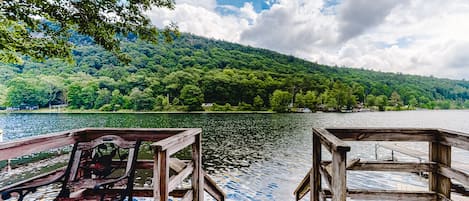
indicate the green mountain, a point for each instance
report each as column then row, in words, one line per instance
column 193, row 70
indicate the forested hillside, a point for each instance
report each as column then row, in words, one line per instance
column 194, row 70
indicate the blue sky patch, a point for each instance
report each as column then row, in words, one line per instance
column 405, row 41
column 402, row 42
column 329, row 7
column 331, row 3
column 258, row 5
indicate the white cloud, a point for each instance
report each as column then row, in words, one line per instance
column 207, row 4
column 427, row 37
column 292, row 27
column 248, row 12
column 201, row 19
column 356, row 16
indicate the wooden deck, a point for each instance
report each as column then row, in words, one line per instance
column 168, row 172
column 439, row 164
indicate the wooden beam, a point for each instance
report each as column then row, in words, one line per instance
column 392, row 195
column 36, row 180
column 177, row 165
column 177, row 179
column 174, row 164
column 389, row 166
column 179, row 193
column 339, row 185
column 24, row 146
column 143, row 134
column 387, row 195
column 326, row 171
column 188, row 196
column 143, row 191
column 330, row 141
column 174, row 140
column 454, row 174
column 443, row 198
column 323, row 196
column 197, row 174
column 454, row 138
column 384, row 134
column 161, row 176
column 16, row 148
column 315, row 176
column 213, row 189
column 181, row 144
column 327, row 175
column 304, row 187
column 440, row 154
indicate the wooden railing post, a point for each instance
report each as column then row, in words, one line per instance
column 197, row 174
column 339, row 187
column 315, row 176
column 161, row 176
column 441, row 154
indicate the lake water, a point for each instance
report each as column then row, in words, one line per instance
column 261, row 156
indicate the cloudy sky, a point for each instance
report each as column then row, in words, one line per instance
column 425, row 37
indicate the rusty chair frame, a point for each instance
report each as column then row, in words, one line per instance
column 164, row 142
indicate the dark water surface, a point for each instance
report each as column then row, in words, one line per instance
column 260, row 156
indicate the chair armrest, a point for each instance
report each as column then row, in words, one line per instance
column 24, row 190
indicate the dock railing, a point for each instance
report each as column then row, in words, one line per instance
column 335, row 172
column 164, row 143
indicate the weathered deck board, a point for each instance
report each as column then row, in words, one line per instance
column 330, row 141
column 454, row 138
column 384, row 134
column 21, row 147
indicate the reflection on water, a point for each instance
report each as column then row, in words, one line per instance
column 260, row 156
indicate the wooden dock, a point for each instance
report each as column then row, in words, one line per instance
column 168, row 171
column 438, row 164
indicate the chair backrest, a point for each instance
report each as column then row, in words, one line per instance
column 99, row 158
column 95, row 157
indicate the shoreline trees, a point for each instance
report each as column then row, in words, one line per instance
column 226, row 76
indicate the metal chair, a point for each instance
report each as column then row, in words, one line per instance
column 95, row 171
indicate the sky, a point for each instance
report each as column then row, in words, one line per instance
column 423, row 37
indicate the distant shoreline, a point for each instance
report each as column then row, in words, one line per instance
column 42, row 111
column 47, row 111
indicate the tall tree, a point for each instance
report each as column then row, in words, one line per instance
column 370, row 100
column 280, row 100
column 117, row 100
column 258, row 103
column 395, row 100
column 42, row 29
column 381, row 102
column 310, row 99
column 142, row 100
column 54, row 87
column 192, row 97
column 74, row 96
column 24, row 91
column 104, row 97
